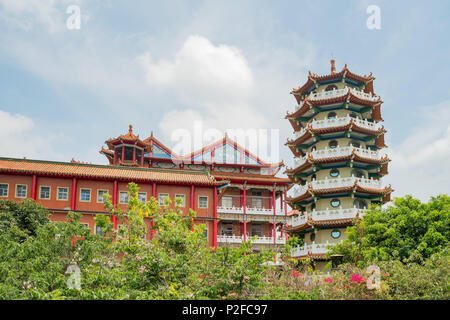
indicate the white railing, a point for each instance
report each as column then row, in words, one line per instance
column 297, row 220
column 342, row 92
column 342, row 121
column 336, row 214
column 299, row 133
column 314, row 248
column 240, row 210
column 299, row 190
column 299, row 161
column 343, row 151
column 363, row 95
column 333, row 122
column 370, row 183
column 258, row 240
column 328, row 94
column 327, row 214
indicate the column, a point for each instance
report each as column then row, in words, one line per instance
column 285, row 207
column 115, row 156
column 115, row 193
column 192, row 204
column 215, row 219
column 123, row 153
column 34, row 187
column 74, row 194
column 274, row 232
column 244, row 192
column 152, row 233
column 142, row 157
column 134, row 153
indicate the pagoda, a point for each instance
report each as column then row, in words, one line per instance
column 338, row 163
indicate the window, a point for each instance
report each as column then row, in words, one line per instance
column 353, row 115
column 85, row 195
column 4, row 189
column 333, row 144
column 313, row 207
column 227, row 202
column 331, row 115
column 256, row 230
column 312, row 237
column 142, row 196
column 124, row 197
column 335, row 234
column 360, row 204
column 313, row 177
column 99, row 231
column 313, row 148
column 354, row 144
column 182, row 197
column 100, row 194
column 44, row 193
column 85, row 225
column 21, row 190
column 335, row 203
column 205, row 233
column 162, row 198
column 331, row 87
column 128, row 154
column 358, row 174
column 227, row 229
column 63, row 193
column 203, row 202
column 257, row 201
column 334, row 173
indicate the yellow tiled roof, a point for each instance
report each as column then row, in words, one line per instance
column 52, row 168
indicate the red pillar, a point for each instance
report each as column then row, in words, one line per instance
column 245, row 212
column 274, row 232
column 115, row 193
column 34, row 187
column 215, row 219
column 134, row 154
column 192, row 204
column 142, row 158
column 281, row 210
column 152, row 233
column 74, row 194
column 115, row 156
column 285, row 207
column 123, row 153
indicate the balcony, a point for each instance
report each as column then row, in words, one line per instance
column 342, row 92
column 256, row 205
column 336, row 183
column 338, row 152
column 240, row 239
column 313, row 248
column 328, row 214
column 343, row 121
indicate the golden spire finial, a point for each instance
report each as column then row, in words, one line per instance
column 130, row 130
column 333, row 67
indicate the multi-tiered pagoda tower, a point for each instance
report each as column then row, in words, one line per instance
column 338, row 160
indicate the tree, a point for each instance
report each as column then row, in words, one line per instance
column 27, row 216
column 408, row 231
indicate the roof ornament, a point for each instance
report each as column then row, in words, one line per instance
column 130, row 130
column 333, row 67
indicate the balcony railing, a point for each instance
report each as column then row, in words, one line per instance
column 342, row 121
column 250, row 210
column 314, row 248
column 337, row 152
column 342, row 92
column 346, row 182
column 240, row 239
column 327, row 214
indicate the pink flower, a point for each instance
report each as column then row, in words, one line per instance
column 356, row 278
column 329, row 280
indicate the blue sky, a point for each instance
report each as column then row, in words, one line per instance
column 231, row 64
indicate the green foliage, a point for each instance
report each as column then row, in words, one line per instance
column 27, row 216
column 408, row 231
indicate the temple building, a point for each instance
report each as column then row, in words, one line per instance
column 234, row 193
column 338, row 163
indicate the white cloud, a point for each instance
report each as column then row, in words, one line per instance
column 20, row 138
column 27, row 14
column 420, row 165
column 202, row 73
